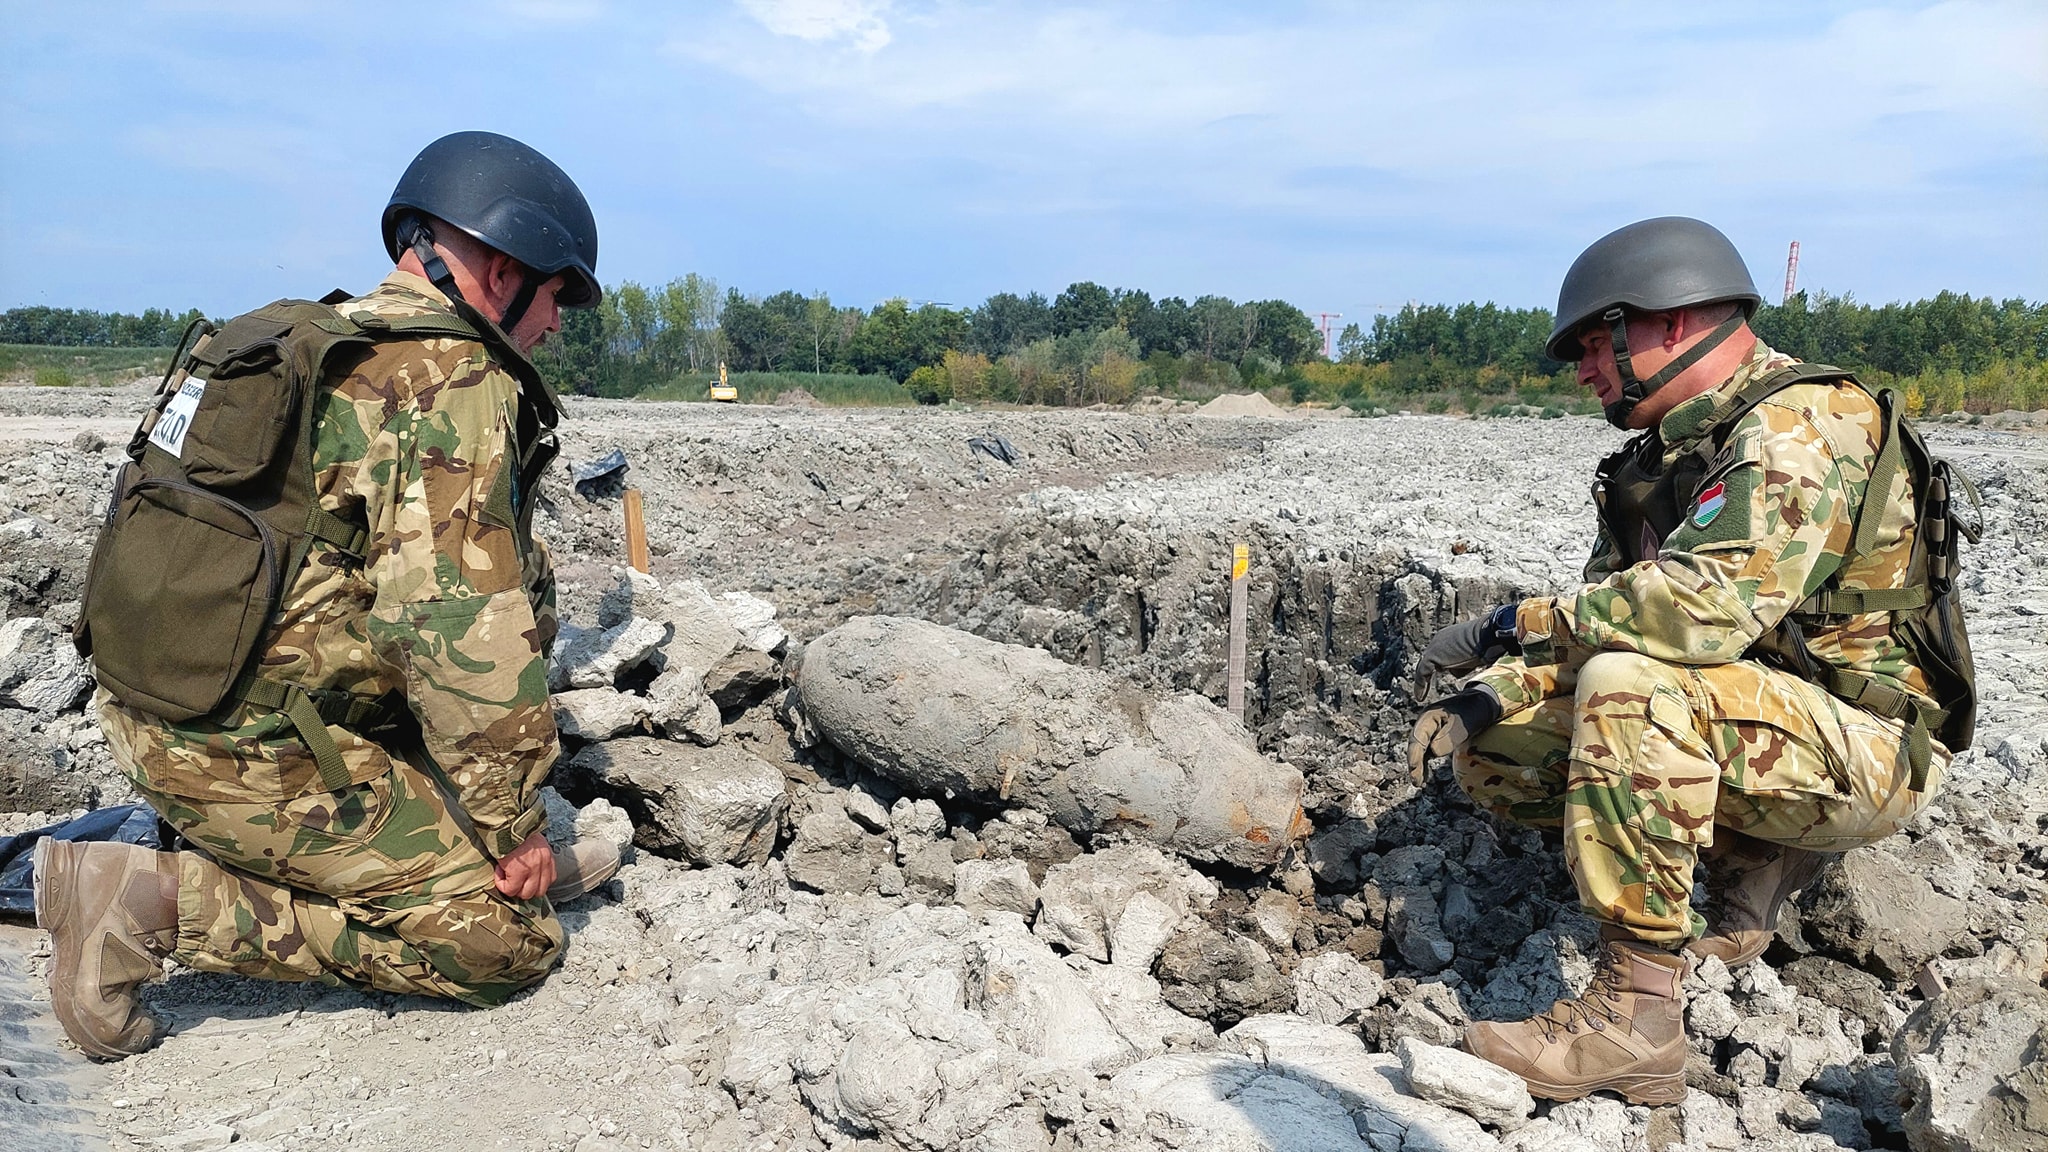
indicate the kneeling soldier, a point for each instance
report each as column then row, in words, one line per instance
column 320, row 621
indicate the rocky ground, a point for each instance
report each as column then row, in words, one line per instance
column 832, row 934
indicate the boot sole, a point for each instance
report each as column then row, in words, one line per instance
column 1649, row 1090
column 38, row 866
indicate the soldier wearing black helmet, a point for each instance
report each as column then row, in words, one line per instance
column 1764, row 666
column 361, row 782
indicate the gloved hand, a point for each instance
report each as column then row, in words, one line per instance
column 1449, row 722
column 1468, row 644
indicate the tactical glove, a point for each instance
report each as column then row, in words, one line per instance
column 1448, row 723
column 1469, row 644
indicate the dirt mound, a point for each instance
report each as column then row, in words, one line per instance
column 797, row 398
column 1244, row 404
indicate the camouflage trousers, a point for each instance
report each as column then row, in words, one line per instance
column 379, row 885
column 1638, row 761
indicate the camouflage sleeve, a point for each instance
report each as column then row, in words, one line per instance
column 1522, row 684
column 452, row 612
column 1770, row 523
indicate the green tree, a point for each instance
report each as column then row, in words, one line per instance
column 929, row 384
column 1006, row 322
column 1286, row 333
column 1352, row 346
column 1168, row 326
column 885, row 342
column 638, row 318
column 1216, row 327
column 764, row 335
column 1083, row 307
column 821, row 326
column 689, row 314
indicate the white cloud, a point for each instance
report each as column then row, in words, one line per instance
column 857, row 21
column 1496, row 135
column 1430, row 92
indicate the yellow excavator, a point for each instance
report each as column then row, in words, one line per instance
column 723, row 391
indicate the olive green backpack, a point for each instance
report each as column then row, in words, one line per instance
column 216, row 511
column 1926, row 613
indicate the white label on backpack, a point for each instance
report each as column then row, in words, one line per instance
column 171, row 427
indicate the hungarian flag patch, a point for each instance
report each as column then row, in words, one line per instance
column 1712, row 500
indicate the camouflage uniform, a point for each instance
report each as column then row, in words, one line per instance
column 1633, row 721
column 388, row 882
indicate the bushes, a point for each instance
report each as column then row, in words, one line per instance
column 832, row 389
column 55, row 366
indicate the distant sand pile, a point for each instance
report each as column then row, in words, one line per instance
column 1244, row 404
column 797, row 398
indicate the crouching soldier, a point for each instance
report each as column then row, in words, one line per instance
column 1765, row 665
column 320, row 622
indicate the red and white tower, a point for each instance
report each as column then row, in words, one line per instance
column 1328, row 352
column 1791, row 272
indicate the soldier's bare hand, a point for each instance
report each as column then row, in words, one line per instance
column 1449, row 723
column 526, row 872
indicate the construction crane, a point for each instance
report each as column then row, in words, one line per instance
column 1324, row 327
column 1791, row 272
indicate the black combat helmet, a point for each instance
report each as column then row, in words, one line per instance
column 510, row 197
column 1651, row 266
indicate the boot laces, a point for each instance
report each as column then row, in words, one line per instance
column 1599, row 1007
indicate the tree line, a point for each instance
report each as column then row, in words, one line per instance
column 1088, row 344
column 86, row 328
column 1091, row 344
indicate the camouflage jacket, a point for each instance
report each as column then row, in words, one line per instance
column 1791, row 476
column 453, row 611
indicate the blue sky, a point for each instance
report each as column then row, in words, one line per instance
column 1345, row 157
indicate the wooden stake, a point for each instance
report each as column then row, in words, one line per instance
column 1240, row 563
column 636, row 533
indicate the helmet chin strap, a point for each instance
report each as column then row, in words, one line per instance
column 1634, row 391
column 414, row 234
column 529, row 284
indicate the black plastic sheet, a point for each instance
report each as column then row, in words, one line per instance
column 602, row 478
column 994, row 447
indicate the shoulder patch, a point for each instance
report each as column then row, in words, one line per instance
column 1711, row 500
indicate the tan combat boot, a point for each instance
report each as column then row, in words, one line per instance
column 1748, row 882
column 112, row 914
column 1626, row 1034
column 580, row 867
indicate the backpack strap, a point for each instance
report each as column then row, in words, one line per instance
column 422, row 324
column 1920, row 717
column 338, row 531
column 311, row 710
column 1857, row 601
column 1771, row 383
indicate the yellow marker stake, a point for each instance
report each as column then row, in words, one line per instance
column 1240, row 563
